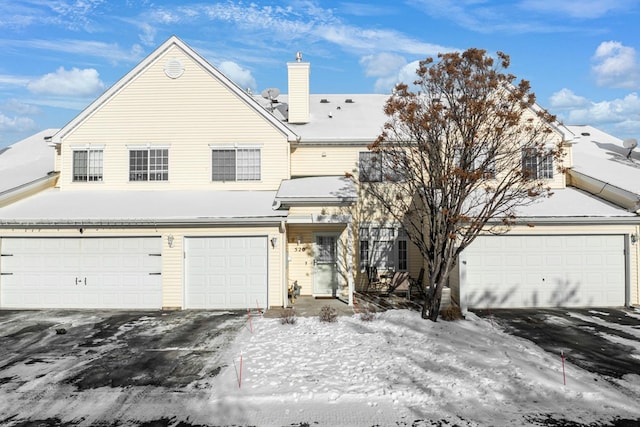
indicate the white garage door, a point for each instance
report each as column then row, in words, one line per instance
column 86, row 272
column 226, row 272
column 543, row 271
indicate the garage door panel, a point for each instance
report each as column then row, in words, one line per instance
column 552, row 271
column 235, row 272
column 81, row 273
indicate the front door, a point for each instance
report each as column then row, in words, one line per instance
column 325, row 267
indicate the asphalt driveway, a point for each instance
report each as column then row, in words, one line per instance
column 601, row 340
column 51, row 356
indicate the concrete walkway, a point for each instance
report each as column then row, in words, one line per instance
column 308, row 306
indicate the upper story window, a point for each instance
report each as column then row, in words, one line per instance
column 536, row 165
column 379, row 167
column 235, row 164
column 481, row 161
column 87, row 164
column 149, row 164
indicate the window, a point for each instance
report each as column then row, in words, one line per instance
column 481, row 161
column 384, row 248
column 378, row 167
column 235, row 164
column 536, row 166
column 149, row 164
column 87, row 165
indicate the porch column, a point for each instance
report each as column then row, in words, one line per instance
column 350, row 281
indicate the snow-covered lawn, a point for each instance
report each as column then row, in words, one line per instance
column 396, row 370
column 401, row 370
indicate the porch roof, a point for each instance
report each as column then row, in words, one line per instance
column 316, row 190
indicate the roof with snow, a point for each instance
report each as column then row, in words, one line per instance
column 340, row 118
column 53, row 206
column 26, row 161
column 317, row 189
column 603, row 157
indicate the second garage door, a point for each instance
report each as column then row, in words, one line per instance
column 543, row 271
column 226, row 272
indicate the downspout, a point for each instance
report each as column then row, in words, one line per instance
column 283, row 264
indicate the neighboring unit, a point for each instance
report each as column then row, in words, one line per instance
column 176, row 189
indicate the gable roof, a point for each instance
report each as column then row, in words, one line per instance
column 148, row 61
column 26, row 163
column 602, row 159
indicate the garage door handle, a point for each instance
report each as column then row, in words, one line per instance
column 155, row 274
column 6, row 274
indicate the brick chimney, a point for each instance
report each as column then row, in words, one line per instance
column 298, row 73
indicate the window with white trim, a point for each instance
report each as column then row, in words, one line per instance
column 87, row 165
column 149, row 164
column 235, row 164
column 379, row 167
column 535, row 165
column 482, row 161
column 383, row 247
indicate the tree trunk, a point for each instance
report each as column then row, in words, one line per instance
column 431, row 306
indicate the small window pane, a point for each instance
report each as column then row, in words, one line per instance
column 80, row 160
column 87, row 165
column 248, row 164
column 159, row 165
column 370, row 169
column 138, row 165
column 223, row 165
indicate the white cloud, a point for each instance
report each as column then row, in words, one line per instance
column 74, row 82
column 376, row 40
column 616, row 66
column 382, row 64
column 583, row 9
column 19, row 107
column 110, row 51
column 565, row 98
column 16, row 124
column 620, row 117
column 390, row 69
column 241, row 76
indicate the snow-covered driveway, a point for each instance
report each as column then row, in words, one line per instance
column 217, row 369
column 605, row 341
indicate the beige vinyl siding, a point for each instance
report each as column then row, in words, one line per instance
column 173, row 258
column 188, row 114
column 300, row 257
column 324, row 160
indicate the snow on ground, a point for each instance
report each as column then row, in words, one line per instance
column 401, row 370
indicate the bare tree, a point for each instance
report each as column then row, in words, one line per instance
column 465, row 150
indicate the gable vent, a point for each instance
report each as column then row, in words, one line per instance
column 173, row 68
column 324, row 101
column 348, row 101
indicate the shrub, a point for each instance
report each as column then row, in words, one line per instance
column 368, row 314
column 451, row 313
column 288, row 316
column 328, row 314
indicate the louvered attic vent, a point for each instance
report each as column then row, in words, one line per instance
column 348, row 101
column 324, row 101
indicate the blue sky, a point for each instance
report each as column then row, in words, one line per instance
column 581, row 56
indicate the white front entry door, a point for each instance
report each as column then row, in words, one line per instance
column 81, row 272
column 513, row 271
column 325, row 264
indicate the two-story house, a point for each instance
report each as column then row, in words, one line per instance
column 178, row 189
